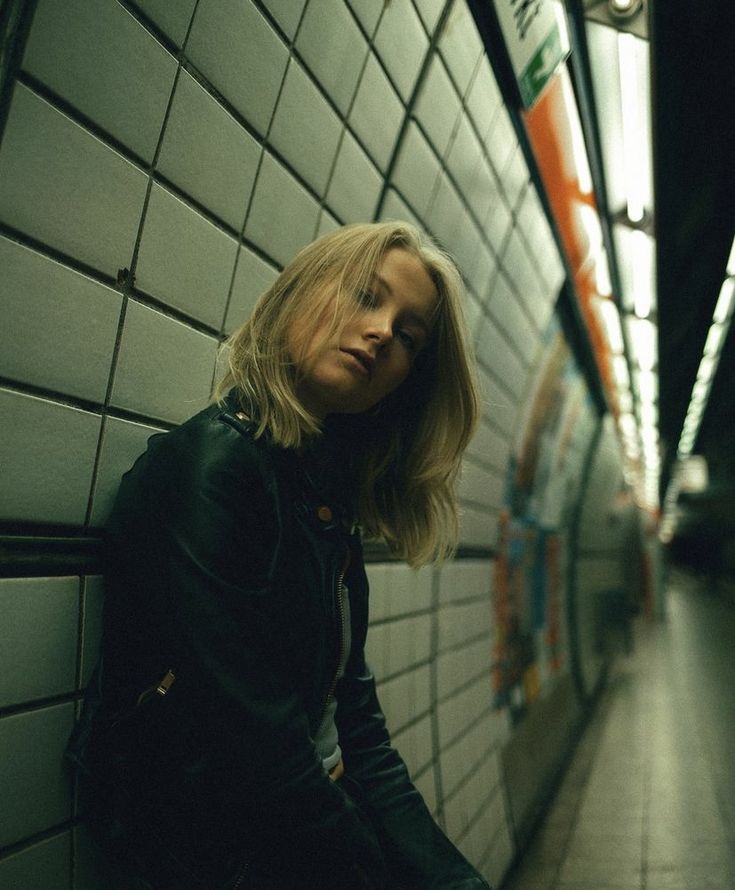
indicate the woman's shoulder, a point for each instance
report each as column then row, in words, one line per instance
column 214, row 453
column 220, row 432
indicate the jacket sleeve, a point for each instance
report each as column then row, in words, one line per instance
column 419, row 853
column 235, row 724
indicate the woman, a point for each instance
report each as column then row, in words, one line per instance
column 233, row 737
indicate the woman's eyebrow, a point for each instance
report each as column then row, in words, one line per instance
column 408, row 314
column 383, row 283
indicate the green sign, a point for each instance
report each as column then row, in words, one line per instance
column 532, row 35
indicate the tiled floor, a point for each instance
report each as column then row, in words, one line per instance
column 648, row 802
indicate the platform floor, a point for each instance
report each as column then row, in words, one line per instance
column 648, row 802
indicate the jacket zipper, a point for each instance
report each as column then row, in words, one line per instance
column 342, row 641
column 241, row 876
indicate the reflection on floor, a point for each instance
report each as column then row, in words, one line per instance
column 649, row 799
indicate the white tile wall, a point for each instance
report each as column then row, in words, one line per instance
column 405, row 698
column 490, row 447
column 515, row 319
column 465, row 579
column 368, row 13
column 40, row 625
column 500, row 854
column 479, row 528
column 253, row 277
column 278, row 196
column 333, row 47
column 501, row 140
column 47, row 456
column 149, row 378
column 437, row 106
column 377, row 113
column 514, row 176
column 356, row 184
column 233, row 45
column 394, row 207
column 504, row 360
column 63, row 186
column 287, row 13
column 34, row 787
column 463, row 160
column 426, row 784
column 172, row 18
column 446, row 211
column 92, row 63
column 415, row 744
column 489, row 204
column 122, row 442
column 482, row 272
column 460, row 46
column 457, row 714
column 63, row 324
column 429, row 10
column 462, row 623
column 185, row 260
column 43, row 866
column 208, row 154
column 483, row 98
column 481, row 487
column 306, row 129
column 417, row 170
column 401, row 44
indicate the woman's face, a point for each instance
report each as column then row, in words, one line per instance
column 375, row 349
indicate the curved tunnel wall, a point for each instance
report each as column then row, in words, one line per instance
column 158, row 165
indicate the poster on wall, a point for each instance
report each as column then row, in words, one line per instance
column 541, row 489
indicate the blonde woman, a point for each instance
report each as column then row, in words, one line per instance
column 232, row 737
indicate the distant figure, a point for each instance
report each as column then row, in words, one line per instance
column 232, row 737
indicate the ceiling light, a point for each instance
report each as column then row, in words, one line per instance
column 714, row 338
column 731, row 260
column 642, row 272
column 724, row 301
column 625, row 400
column 647, row 386
column 611, row 320
column 643, row 336
column 706, row 370
column 602, row 274
column 647, row 411
column 620, row 370
column 633, row 129
column 579, row 149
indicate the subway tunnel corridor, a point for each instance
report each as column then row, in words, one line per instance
column 648, row 799
column 160, row 165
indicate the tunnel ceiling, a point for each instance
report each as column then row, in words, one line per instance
column 693, row 94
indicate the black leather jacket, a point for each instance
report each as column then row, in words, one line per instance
column 223, row 566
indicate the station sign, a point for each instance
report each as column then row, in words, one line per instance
column 534, row 43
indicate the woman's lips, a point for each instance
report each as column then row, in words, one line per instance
column 362, row 359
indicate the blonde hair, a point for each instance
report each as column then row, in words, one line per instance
column 405, row 459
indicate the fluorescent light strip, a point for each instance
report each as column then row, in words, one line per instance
column 579, row 150
column 641, row 260
column 632, row 137
column 724, row 301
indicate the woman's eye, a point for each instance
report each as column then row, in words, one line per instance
column 408, row 340
column 364, row 298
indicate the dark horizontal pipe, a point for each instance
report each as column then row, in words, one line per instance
column 23, row 556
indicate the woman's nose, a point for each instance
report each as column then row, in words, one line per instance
column 379, row 327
